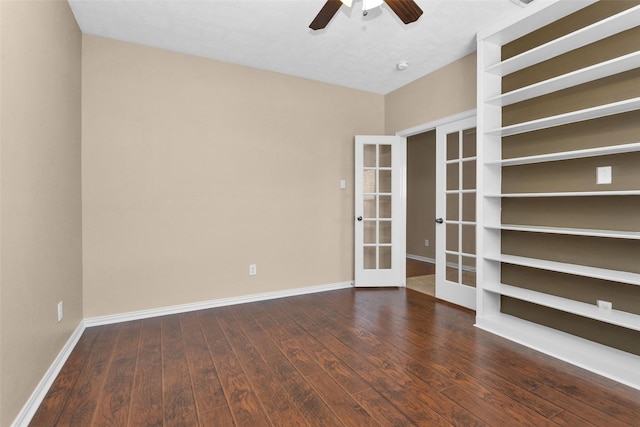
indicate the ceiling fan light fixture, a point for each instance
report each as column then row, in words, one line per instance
column 407, row 10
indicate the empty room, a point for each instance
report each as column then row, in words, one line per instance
column 312, row 212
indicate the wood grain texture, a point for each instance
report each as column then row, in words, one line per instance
column 146, row 398
column 113, row 405
column 51, row 408
column 350, row 357
column 80, row 406
column 325, row 15
column 407, row 10
column 419, row 268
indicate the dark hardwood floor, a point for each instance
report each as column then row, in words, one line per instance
column 389, row 357
column 419, row 268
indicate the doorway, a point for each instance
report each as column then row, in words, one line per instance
column 452, row 247
column 421, row 209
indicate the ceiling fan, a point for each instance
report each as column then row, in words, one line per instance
column 407, row 10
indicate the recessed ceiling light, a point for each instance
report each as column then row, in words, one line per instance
column 402, row 65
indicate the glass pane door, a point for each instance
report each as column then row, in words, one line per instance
column 377, row 199
column 460, row 216
column 379, row 248
column 456, row 207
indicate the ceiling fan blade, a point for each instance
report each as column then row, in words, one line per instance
column 407, row 10
column 326, row 13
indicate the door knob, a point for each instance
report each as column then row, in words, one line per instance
column 439, row 220
column 359, row 218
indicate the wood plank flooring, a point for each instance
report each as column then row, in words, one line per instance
column 365, row 357
column 419, row 268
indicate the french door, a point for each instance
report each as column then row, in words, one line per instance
column 380, row 207
column 456, row 212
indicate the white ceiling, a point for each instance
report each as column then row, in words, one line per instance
column 353, row 51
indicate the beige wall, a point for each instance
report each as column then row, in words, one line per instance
column 447, row 91
column 40, row 240
column 421, row 194
column 193, row 169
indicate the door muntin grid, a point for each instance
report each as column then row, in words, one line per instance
column 460, row 221
column 377, row 207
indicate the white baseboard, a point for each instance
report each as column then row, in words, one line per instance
column 29, row 409
column 183, row 308
column 421, row 258
column 433, row 261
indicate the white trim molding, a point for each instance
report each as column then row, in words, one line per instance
column 203, row 305
column 421, row 258
column 425, row 127
column 433, row 261
column 31, row 406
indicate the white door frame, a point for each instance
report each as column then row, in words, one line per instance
column 435, row 123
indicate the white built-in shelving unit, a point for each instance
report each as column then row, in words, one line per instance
column 616, row 364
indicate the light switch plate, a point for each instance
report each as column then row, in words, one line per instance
column 603, row 174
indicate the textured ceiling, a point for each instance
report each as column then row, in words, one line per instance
column 353, row 51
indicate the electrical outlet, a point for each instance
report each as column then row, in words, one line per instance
column 426, row 243
column 60, row 312
column 252, row 270
column 605, row 305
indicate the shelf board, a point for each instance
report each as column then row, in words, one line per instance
column 591, row 311
column 569, row 194
column 574, row 78
column 464, row 191
column 567, row 118
column 569, row 155
column 600, row 30
column 614, row 234
column 575, row 269
column 462, row 159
